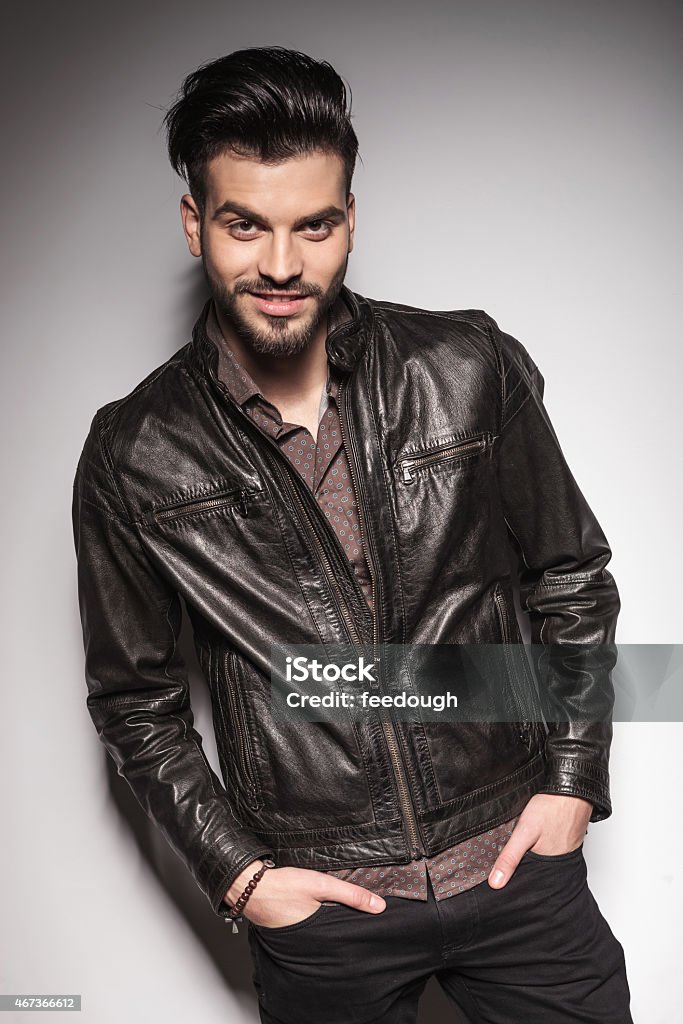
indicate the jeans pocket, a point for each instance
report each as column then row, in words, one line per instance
column 552, row 857
column 318, row 912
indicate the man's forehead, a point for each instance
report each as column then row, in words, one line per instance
column 312, row 180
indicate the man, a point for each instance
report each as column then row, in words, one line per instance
column 318, row 468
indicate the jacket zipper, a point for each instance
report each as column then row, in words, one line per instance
column 347, row 614
column 451, row 451
column 237, row 498
column 243, row 749
column 500, row 608
column 388, row 727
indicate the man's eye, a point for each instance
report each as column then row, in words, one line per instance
column 242, row 226
column 319, row 227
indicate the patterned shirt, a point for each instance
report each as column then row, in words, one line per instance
column 323, row 465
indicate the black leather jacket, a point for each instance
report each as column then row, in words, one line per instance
column 456, row 465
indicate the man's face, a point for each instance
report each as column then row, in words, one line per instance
column 274, row 241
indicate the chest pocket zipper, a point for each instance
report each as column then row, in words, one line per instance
column 241, row 737
column 443, row 453
column 238, row 498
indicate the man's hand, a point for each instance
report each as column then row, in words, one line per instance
column 287, row 895
column 550, row 824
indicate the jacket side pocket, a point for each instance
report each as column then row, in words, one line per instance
column 521, row 698
column 228, row 690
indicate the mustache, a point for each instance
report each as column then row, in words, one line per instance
column 299, row 291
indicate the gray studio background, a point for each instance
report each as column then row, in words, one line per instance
column 521, row 157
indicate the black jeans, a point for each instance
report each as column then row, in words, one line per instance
column 537, row 951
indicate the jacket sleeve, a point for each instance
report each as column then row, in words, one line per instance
column 571, row 598
column 138, row 693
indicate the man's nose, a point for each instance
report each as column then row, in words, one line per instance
column 280, row 259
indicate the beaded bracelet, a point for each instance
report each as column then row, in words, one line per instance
column 235, row 913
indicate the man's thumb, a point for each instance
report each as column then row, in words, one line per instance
column 506, row 864
column 362, row 899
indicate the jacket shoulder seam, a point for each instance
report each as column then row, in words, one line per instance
column 505, row 395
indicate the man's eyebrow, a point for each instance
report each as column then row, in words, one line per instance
column 326, row 213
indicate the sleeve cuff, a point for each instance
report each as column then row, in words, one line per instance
column 571, row 776
column 224, row 877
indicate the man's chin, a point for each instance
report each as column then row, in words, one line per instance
column 277, row 335
column 278, row 341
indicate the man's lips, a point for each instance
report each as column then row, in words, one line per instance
column 279, row 303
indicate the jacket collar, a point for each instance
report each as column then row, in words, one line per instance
column 349, row 322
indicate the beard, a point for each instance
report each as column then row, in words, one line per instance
column 278, row 336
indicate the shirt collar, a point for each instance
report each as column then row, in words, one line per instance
column 236, row 378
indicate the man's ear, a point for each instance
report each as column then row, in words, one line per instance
column 351, row 214
column 189, row 213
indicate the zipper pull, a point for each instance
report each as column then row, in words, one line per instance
column 242, row 507
column 408, row 471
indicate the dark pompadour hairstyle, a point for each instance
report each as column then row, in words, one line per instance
column 265, row 102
